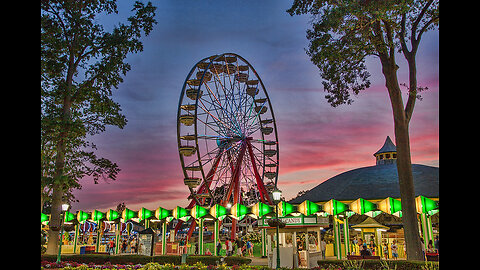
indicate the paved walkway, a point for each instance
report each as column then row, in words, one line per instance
column 258, row 261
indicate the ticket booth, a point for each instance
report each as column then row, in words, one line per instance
column 299, row 241
column 371, row 230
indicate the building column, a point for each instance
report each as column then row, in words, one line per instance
column 427, row 230
column 200, row 236
column 118, row 233
column 75, row 238
column 99, row 235
column 336, row 235
column 430, row 229
column 164, row 237
column 264, row 242
column 346, row 235
column 215, row 237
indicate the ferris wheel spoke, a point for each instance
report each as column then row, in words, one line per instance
column 229, row 102
column 218, row 121
column 224, row 109
column 221, row 107
column 211, row 127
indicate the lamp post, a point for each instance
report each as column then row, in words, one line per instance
column 65, row 207
column 277, row 194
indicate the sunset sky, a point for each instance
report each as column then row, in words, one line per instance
column 316, row 141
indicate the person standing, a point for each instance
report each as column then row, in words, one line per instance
column 225, row 247
column 364, row 251
column 230, row 248
column 394, row 249
column 372, row 247
column 124, row 245
column 323, row 246
column 238, row 244
column 110, row 246
column 385, row 250
column 133, row 246
column 250, row 248
column 218, row 247
column 437, row 243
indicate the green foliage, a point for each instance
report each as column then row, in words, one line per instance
column 431, row 266
column 80, row 65
column 376, row 264
column 142, row 259
column 344, row 33
column 253, row 237
column 386, row 265
column 355, row 264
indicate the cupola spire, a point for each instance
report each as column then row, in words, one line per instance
column 387, row 154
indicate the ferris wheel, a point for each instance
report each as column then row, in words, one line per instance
column 227, row 134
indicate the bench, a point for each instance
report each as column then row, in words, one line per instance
column 360, row 257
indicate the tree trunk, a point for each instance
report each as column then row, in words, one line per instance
column 407, row 193
column 404, row 163
column 55, row 220
column 57, row 194
column 57, row 188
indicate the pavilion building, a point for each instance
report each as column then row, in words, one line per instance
column 375, row 183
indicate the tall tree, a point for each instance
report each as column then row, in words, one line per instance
column 80, row 65
column 343, row 34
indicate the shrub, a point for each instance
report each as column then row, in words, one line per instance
column 142, row 259
column 377, row 264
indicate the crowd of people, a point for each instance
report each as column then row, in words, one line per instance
column 371, row 248
column 127, row 245
column 239, row 247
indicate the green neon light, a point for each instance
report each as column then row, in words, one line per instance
column 82, row 216
column 395, row 205
column 145, row 213
column 428, row 204
column 128, row 214
column 218, row 211
column 112, row 215
column 179, row 212
column 362, row 206
column 334, row 207
column 260, row 209
column 162, row 213
column 44, row 217
column 97, row 215
column 308, row 208
column 239, row 210
column 69, row 217
column 198, row 211
column 285, row 208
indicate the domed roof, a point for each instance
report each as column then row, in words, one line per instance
column 374, row 182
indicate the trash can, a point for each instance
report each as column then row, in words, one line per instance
column 82, row 250
column 184, row 258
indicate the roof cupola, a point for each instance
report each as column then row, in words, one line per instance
column 387, row 154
